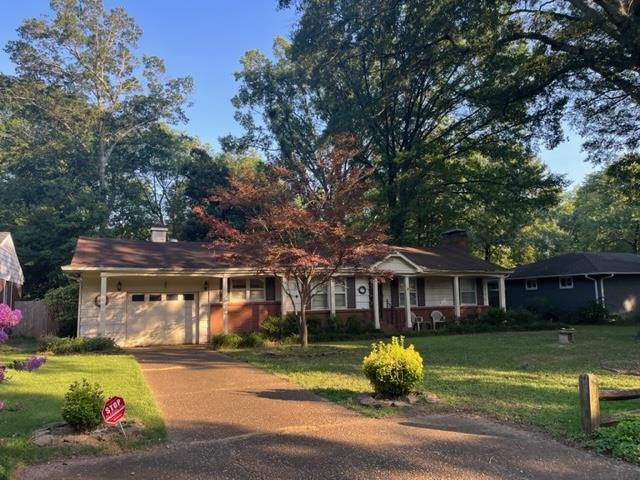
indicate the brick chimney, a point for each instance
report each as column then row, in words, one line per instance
column 159, row 233
column 455, row 239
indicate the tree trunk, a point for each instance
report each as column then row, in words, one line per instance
column 304, row 330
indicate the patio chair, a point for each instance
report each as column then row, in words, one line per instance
column 436, row 318
column 416, row 322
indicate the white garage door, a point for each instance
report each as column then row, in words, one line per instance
column 160, row 318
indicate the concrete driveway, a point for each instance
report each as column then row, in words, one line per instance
column 227, row 420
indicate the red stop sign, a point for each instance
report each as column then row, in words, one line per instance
column 113, row 410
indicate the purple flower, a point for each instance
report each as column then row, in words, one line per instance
column 34, row 363
column 3, row 336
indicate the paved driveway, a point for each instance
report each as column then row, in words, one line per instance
column 227, row 420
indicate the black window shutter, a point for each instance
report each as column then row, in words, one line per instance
column 420, row 288
column 270, row 289
column 394, row 292
column 351, row 292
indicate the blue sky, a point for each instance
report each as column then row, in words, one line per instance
column 206, row 39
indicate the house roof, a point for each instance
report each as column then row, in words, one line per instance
column 580, row 263
column 107, row 253
column 446, row 260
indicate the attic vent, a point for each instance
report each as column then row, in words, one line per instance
column 159, row 233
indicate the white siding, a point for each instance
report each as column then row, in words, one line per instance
column 362, row 299
column 397, row 265
column 439, row 291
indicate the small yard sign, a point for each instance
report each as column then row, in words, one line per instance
column 113, row 410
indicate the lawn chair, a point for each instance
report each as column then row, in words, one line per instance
column 436, row 318
column 416, row 322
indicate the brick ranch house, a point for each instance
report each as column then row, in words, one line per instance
column 167, row 292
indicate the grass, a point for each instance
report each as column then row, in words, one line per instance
column 33, row 399
column 521, row 377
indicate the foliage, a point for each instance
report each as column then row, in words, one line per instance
column 81, row 151
column 252, row 340
column 592, row 313
column 303, row 222
column 225, row 340
column 69, row 345
column 576, row 55
column 232, row 341
column 621, row 440
column 392, row 369
column 277, row 328
column 82, row 405
column 63, row 308
column 402, row 77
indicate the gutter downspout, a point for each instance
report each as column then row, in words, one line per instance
column 595, row 285
column 604, row 305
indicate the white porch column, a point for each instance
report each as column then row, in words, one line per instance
column 407, row 302
column 485, row 292
column 456, row 296
column 501, row 293
column 332, row 297
column 225, row 304
column 103, row 301
column 376, row 306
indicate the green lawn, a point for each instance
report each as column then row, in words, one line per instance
column 35, row 399
column 522, row 377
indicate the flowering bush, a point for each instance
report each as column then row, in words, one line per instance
column 8, row 319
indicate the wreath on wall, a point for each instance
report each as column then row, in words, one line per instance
column 362, row 289
column 96, row 300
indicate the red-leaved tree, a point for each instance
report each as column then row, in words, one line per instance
column 303, row 222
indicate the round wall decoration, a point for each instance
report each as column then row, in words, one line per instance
column 96, row 300
column 362, row 289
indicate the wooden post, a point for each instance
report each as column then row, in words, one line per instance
column 589, row 402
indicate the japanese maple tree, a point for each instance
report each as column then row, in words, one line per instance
column 304, row 221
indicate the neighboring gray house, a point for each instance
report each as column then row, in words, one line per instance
column 11, row 277
column 574, row 280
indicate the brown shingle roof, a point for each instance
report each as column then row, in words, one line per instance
column 447, row 260
column 116, row 253
column 107, row 253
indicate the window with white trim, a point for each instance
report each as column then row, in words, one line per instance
column 320, row 297
column 468, row 294
column 413, row 292
column 531, row 284
column 340, row 293
column 246, row 288
column 566, row 282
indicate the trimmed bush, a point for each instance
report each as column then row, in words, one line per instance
column 69, row 345
column 392, row 369
column 83, row 405
column 225, row 340
column 252, row 340
column 278, row 328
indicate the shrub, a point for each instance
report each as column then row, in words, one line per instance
column 82, row 406
column 354, row 325
column 392, row 369
column 225, row 340
column 522, row 316
column 63, row 308
column 622, row 440
column 278, row 328
column 252, row 340
column 494, row 316
column 67, row 345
